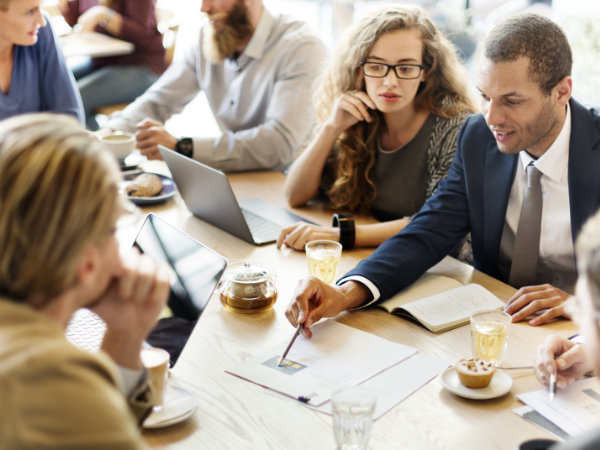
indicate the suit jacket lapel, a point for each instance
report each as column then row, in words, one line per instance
column 497, row 182
column 584, row 167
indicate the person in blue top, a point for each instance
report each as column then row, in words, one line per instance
column 33, row 74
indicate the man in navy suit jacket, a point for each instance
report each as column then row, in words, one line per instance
column 528, row 116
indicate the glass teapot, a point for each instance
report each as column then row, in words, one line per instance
column 249, row 287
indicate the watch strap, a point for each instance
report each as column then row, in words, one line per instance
column 345, row 222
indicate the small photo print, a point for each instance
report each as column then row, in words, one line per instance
column 287, row 366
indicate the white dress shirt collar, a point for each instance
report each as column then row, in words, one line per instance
column 555, row 161
column 256, row 46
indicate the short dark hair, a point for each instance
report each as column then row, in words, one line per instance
column 537, row 38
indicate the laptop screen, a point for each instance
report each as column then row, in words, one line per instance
column 195, row 269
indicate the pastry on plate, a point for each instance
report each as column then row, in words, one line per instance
column 145, row 185
column 475, row 373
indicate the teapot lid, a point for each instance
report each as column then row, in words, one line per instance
column 248, row 272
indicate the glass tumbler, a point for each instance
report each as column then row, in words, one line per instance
column 489, row 335
column 323, row 259
column 353, row 409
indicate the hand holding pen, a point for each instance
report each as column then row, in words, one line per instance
column 564, row 359
column 287, row 350
column 313, row 299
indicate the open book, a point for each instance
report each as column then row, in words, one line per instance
column 441, row 303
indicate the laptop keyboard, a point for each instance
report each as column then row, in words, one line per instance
column 86, row 330
column 263, row 230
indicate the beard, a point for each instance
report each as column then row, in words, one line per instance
column 223, row 41
column 536, row 132
column 542, row 126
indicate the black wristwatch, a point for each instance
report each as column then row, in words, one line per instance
column 185, row 146
column 347, row 230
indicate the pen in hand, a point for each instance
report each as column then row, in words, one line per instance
column 552, row 387
column 298, row 331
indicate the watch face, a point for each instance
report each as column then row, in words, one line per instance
column 185, row 146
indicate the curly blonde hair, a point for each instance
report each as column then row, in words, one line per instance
column 58, row 196
column 444, row 93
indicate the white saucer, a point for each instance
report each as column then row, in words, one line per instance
column 179, row 405
column 501, row 384
column 134, row 159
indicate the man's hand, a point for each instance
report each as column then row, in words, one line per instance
column 296, row 236
column 561, row 356
column 531, row 299
column 150, row 135
column 314, row 299
column 131, row 306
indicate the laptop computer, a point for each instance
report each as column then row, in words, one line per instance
column 208, row 195
column 195, row 271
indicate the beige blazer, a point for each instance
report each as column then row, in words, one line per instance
column 55, row 396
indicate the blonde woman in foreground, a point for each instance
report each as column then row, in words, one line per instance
column 59, row 205
column 391, row 104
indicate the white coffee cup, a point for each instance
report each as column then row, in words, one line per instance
column 120, row 143
column 156, row 361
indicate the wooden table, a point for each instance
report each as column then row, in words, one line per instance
column 94, row 44
column 236, row 414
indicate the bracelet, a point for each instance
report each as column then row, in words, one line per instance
column 345, row 222
column 109, row 15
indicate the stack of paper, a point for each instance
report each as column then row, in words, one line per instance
column 574, row 409
column 336, row 356
column 393, row 385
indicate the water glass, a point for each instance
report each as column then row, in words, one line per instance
column 489, row 335
column 353, row 409
column 323, row 259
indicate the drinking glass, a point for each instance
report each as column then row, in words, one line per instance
column 323, row 259
column 489, row 335
column 353, row 409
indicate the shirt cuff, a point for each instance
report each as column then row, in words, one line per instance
column 368, row 283
column 132, row 379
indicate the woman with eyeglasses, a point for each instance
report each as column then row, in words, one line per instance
column 390, row 105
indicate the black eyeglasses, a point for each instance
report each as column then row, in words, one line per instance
column 403, row 71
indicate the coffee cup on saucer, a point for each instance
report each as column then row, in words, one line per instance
column 120, row 143
column 156, row 361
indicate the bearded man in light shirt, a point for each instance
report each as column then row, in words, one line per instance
column 257, row 70
column 525, row 177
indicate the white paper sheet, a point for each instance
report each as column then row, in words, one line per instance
column 337, row 355
column 534, row 417
column 574, row 410
column 393, row 385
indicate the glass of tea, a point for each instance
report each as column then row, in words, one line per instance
column 323, row 259
column 489, row 335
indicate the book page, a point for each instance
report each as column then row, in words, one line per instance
column 337, row 355
column 426, row 286
column 453, row 305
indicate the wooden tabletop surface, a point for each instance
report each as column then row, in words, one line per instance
column 93, row 44
column 237, row 414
